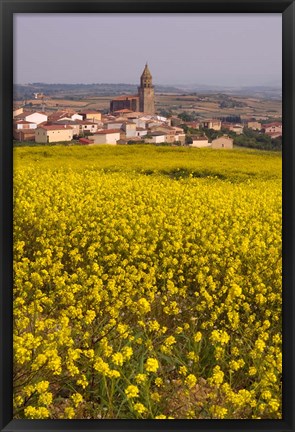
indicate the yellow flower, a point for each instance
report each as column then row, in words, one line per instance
column 42, row 386
column 140, row 378
column 266, row 395
column 114, row 373
column 274, row 405
column 190, row 381
column 260, row 345
column 152, row 365
column 220, row 336
column 77, row 399
column 127, row 352
column 69, row 413
column 143, row 306
column 139, row 408
column 118, row 359
column 198, row 337
column 101, row 366
column 155, row 396
column 218, row 411
column 45, row 398
column 36, row 413
column 217, row 377
column 131, row 392
column 183, row 370
column 158, row 382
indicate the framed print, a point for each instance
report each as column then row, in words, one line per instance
column 147, row 197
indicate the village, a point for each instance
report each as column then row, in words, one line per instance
column 132, row 119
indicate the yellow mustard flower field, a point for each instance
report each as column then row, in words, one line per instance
column 147, row 283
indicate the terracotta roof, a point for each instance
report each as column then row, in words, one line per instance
column 89, row 112
column 125, row 110
column 127, row 97
column 136, row 114
column 24, row 122
column 107, row 131
column 55, row 127
column 272, row 124
column 86, row 141
column 84, row 122
column 67, row 122
column 22, row 115
column 200, row 138
column 26, row 131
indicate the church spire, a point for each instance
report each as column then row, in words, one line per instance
column 146, row 77
column 146, row 92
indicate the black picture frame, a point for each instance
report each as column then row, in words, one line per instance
column 10, row 7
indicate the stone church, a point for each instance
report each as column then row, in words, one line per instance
column 144, row 101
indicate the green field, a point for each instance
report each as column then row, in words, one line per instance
column 147, row 283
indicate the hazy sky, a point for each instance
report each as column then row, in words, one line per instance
column 214, row 49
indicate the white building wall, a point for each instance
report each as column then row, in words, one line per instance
column 106, row 138
column 114, row 125
column 40, row 136
column 93, row 127
column 156, row 139
column 141, row 133
column 26, row 126
column 76, row 117
column 60, row 135
column 36, row 118
column 200, row 143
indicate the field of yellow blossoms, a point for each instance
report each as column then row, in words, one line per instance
column 147, row 283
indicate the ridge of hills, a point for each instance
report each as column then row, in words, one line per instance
column 79, row 90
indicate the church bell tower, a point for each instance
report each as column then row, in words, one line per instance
column 146, row 92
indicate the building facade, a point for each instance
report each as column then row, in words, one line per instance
column 110, row 136
column 223, row 142
column 53, row 133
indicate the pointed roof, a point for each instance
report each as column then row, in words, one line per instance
column 146, row 72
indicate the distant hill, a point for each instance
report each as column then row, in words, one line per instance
column 77, row 91
column 268, row 92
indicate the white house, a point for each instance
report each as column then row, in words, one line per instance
column 155, row 138
column 23, row 124
column 273, row 127
column 116, row 124
column 139, row 121
column 75, row 126
column 237, row 128
column 141, row 132
column 199, row 142
column 87, row 126
column 106, row 136
column 77, row 116
column 130, row 129
column 53, row 133
column 223, row 142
